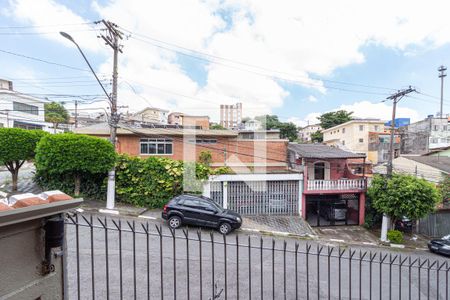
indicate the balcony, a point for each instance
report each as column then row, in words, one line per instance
column 336, row 185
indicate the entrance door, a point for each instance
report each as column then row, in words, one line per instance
column 319, row 171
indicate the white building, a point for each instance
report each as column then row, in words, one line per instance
column 305, row 133
column 20, row 110
column 252, row 125
column 151, row 115
column 230, row 115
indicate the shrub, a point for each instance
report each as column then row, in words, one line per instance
column 80, row 157
column 205, row 158
column 151, row 182
column 395, row 236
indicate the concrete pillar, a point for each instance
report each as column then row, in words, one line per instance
column 362, row 207
column 225, row 194
column 304, row 206
column 207, row 189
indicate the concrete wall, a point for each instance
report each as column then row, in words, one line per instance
column 6, row 103
column 21, row 256
column 425, row 135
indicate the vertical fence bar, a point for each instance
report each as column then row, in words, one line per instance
column 105, row 226
column 319, row 250
column 161, row 267
column 237, row 266
column 296, row 270
column 174, row 255
column 225, row 264
column 360, row 272
column 308, row 247
column 133, row 231
column 91, row 227
column 273, row 268
column 402, row 261
column 339, row 266
column 381, row 260
column 212, row 267
column 119, row 230
column 372, row 257
column 147, row 244
column 249, row 270
column 262, row 268
column 350, row 258
column 77, row 235
column 428, row 277
column 329, row 251
column 446, row 280
column 284, row 273
column 188, row 274
column 410, row 275
column 391, row 261
column 199, row 234
column 438, row 270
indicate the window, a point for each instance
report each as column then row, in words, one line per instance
column 343, row 130
column 361, row 127
column 26, row 108
column 203, row 141
column 434, row 140
column 343, row 142
column 156, row 146
column 444, row 128
column 189, row 202
column 375, row 127
column 436, row 127
column 361, row 140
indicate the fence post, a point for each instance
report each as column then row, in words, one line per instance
column 225, row 194
column 207, row 188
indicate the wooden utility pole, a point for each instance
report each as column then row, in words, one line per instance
column 112, row 37
column 442, row 74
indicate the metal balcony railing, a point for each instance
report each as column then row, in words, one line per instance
column 340, row 184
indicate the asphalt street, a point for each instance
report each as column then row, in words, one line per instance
column 200, row 267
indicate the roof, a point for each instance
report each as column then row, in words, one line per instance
column 150, row 108
column 103, row 129
column 440, row 163
column 373, row 121
column 321, row 151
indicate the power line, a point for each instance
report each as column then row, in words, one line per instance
column 50, row 25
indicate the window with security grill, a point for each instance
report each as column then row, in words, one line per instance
column 156, row 146
column 203, row 141
column 26, row 108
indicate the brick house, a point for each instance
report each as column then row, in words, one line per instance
column 333, row 193
column 242, row 153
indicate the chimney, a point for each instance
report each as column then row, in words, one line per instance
column 6, row 85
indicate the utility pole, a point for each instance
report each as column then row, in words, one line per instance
column 395, row 99
column 76, row 113
column 111, row 37
column 442, row 74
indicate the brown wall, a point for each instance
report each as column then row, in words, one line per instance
column 249, row 152
column 196, row 121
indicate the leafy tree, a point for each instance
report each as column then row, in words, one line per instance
column 245, row 119
column 75, row 156
column 205, row 157
column 403, row 195
column 317, row 137
column 444, row 187
column 16, row 147
column 288, row 130
column 56, row 113
column 217, row 127
column 334, row 118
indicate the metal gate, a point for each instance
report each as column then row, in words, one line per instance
column 278, row 197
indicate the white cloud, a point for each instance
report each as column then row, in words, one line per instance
column 308, row 120
column 311, row 98
column 295, row 40
column 383, row 111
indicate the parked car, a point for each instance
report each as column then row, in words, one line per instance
column 336, row 211
column 404, row 224
column 441, row 246
column 200, row 211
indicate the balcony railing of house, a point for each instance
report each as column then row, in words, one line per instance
column 340, row 184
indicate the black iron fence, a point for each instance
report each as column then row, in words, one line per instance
column 109, row 258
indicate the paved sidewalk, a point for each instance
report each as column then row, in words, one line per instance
column 121, row 208
column 280, row 225
column 357, row 235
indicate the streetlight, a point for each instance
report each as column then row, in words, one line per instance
column 111, row 174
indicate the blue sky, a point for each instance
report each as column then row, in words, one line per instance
column 296, row 60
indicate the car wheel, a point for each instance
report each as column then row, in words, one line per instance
column 225, row 228
column 174, row 222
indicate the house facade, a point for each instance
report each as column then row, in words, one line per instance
column 353, row 135
column 332, row 194
column 150, row 115
column 177, row 118
column 227, row 148
column 379, row 146
column 304, row 134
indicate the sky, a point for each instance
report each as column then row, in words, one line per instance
column 293, row 58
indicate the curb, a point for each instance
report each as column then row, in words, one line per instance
column 280, row 233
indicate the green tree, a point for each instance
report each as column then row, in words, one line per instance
column 56, row 113
column 16, row 147
column 205, row 157
column 317, row 137
column 217, row 127
column 334, row 118
column 288, row 130
column 75, row 156
column 403, row 195
column 444, row 187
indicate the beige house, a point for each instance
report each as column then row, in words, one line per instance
column 151, row 115
column 354, row 136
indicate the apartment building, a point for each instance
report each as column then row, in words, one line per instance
column 20, row 110
column 150, row 115
column 304, row 134
column 230, row 115
column 178, row 118
column 354, row 136
column 426, row 135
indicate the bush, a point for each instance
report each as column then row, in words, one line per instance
column 395, row 236
column 60, row 157
column 151, row 182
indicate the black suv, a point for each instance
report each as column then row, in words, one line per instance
column 200, row 211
